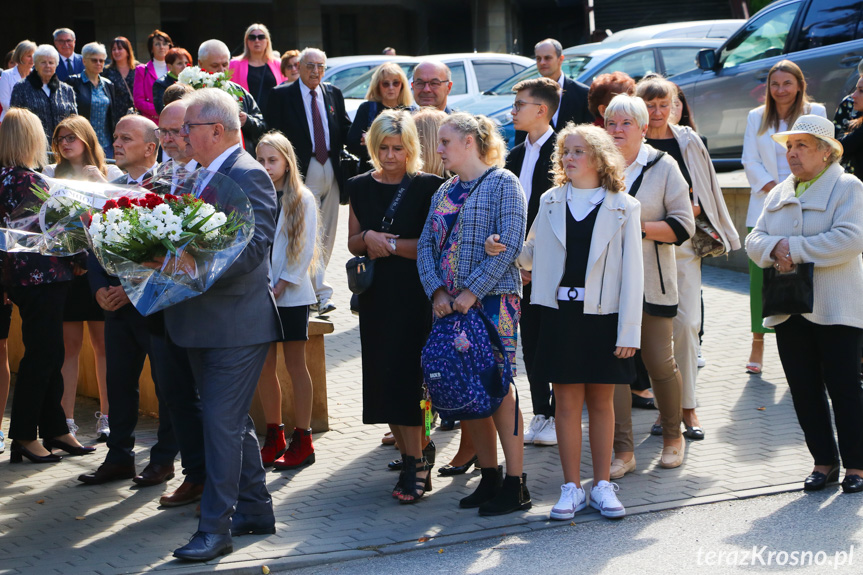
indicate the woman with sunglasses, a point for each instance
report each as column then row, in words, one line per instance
column 257, row 70
column 388, row 89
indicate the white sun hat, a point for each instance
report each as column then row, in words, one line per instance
column 816, row 126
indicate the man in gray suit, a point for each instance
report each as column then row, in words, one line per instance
column 226, row 333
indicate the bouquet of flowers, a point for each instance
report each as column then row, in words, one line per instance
column 198, row 78
column 167, row 249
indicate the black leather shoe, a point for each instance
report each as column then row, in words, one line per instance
column 154, row 474
column 643, row 402
column 109, row 472
column 694, row 433
column 252, row 524
column 204, row 546
column 818, row 481
column 448, row 470
column 19, row 452
column 852, row 484
column 430, row 453
column 68, row 448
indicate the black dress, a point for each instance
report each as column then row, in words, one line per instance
column 395, row 315
column 575, row 347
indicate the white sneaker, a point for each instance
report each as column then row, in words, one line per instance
column 73, row 429
column 2, row 442
column 326, row 307
column 536, row 425
column 701, row 361
column 604, row 500
column 547, row 435
column 572, row 500
column 102, row 428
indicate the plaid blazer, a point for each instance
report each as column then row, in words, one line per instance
column 496, row 206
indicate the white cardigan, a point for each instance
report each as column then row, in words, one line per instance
column 300, row 291
column 615, row 267
column 823, row 226
column 8, row 80
column 759, row 159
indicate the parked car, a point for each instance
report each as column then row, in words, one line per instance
column 668, row 57
column 472, row 73
column 343, row 70
column 692, row 29
column 823, row 37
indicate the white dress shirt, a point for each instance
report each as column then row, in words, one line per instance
column 214, row 167
column 137, row 181
column 633, row 170
column 582, row 201
column 559, row 81
column 307, row 106
column 528, row 165
column 189, row 167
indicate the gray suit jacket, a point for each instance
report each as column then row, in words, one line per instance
column 239, row 309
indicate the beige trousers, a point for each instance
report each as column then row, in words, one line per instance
column 687, row 323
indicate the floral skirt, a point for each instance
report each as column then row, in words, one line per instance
column 504, row 311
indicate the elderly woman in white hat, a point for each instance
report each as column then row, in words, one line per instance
column 816, row 216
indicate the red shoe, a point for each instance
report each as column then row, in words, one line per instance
column 300, row 451
column 275, row 444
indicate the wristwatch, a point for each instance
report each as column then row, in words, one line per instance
column 392, row 242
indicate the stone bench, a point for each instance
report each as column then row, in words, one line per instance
column 315, row 358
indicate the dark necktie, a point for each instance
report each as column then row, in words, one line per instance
column 69, row 69
column 318, row 127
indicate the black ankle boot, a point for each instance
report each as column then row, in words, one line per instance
column 513, row 496
column 488, row 488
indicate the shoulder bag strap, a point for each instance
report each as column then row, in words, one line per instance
column 637, row 183
column 387, row 221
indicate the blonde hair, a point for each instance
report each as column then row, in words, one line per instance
column 268, row 51
column 93, row 153
column 489, row 144
column 405, row 98
column 395, row 123
column 602, row 154
column 771, row 118
column 292, row 199
column 22, row 140
column 428, row 121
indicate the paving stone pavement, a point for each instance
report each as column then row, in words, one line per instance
column 340, row 507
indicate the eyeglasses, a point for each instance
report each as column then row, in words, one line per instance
column 160, row 42
column 311, row 67
column 70, row 41
column 188, row 125
column 97, row 60
column 163, row 132
column 519, row 104
column 294, row 66
column 260, row 37
column 393, row 84
column 433, row 84
column 69, row 139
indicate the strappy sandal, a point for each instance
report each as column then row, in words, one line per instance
column 414, row 487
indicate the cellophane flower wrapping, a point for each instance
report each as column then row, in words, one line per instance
column 52, row 219
column 169, row 248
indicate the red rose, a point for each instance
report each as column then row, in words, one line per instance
column 109, row 204
column 171, row 198
column 124, row 202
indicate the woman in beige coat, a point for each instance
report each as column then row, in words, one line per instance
column 816, row 217
column 654, row 179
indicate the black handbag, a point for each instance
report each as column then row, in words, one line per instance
column 361, row 269
column 788, row 293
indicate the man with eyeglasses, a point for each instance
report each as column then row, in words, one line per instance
column 535, row 103
column 311, row 113
column 431, row 84
column 70, row 63
column 573, row 100
column 214, row 57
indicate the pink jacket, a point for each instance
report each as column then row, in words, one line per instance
column 142, row 94
column 240, row 66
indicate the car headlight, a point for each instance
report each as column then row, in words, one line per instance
column 502, row 118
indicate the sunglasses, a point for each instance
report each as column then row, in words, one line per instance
column 260, row 37
column 393, row 84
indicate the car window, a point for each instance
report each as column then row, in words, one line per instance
column 829, row 22
column 459, row 79
column 360, row 86
column 343, row 78
column 636, row 64
column 489, row 73
column 678, row 60
column 574, row 65
column 762, row 37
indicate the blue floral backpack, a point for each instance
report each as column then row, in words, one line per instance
column 461, row 366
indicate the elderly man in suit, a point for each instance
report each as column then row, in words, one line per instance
column 226, row 332
column 70, row 63
column 311, row 113
column 535, row 103
column 573, row 100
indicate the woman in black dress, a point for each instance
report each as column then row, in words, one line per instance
column 395, row 315
column 121, row 71
column 388, row 90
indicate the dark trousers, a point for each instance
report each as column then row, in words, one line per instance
column 177, row 393
column 127, row 345
column 815, row 357
column 39, row 385
column 236, row 480
column 540, row 390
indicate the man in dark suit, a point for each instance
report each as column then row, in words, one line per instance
column 70, row 63
column 311, row 113
column 535, row 103
column 226, row 332
column 573, row 100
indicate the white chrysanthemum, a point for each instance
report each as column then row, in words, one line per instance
column 162, row 210
column 114, row 215
column 217, row 221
